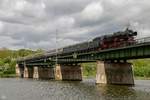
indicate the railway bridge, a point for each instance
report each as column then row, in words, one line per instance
column 112, row 64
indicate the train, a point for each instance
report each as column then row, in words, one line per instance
column 115, row 40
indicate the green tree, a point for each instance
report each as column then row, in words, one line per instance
column 8, row 59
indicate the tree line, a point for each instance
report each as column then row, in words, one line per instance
column 8, row 59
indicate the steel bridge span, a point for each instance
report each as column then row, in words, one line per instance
column 112, row 65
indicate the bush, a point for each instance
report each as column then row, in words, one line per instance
column 89, row 69
column 141, row 68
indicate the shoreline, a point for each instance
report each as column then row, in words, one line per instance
column 7, row 75
column 141, row 78
column 84, row 77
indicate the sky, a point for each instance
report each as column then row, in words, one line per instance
column 35, row 24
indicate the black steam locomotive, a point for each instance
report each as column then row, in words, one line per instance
column 115, row 40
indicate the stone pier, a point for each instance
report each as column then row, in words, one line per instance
column 43, row 73
column 58, row 74
column 68, row 72
column 28, row 72
column 114, row 73
column 19, row 70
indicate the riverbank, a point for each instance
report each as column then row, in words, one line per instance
column 141, row 78
column 84, row 77
column 7, row 75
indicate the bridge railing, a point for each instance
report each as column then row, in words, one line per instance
column 143, row 40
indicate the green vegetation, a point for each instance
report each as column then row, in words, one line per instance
column 8, row 60
column 141, row 68
column 89, row 69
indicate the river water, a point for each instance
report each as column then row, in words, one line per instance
column 29, row 89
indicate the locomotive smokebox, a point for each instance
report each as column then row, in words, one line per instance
column 135, row 34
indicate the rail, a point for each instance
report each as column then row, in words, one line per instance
column 143, row 40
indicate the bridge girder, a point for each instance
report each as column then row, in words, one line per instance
column 125, row 53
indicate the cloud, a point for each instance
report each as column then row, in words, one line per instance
column 92, row 12
column 33, row 23
column 1, row 26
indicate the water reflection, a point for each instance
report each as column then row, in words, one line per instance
column 28, row 89
column 116, row 92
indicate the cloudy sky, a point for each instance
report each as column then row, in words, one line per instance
column 33, row 23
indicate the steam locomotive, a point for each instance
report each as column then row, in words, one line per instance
column 115, row 40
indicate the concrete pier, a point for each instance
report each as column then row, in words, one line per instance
column 58, row 74
column 68, row 72
column 114, row 73
column 35, row 72
column 28, row 72
column 43, row 73
column 19, row 71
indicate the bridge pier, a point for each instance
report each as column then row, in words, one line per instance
column 35, row 72
column 58, row 74
column 114, row 73
column 43, row 73
column 28, row 72
column 19, row 70
column 68, row 72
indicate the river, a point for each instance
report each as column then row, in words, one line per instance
column 29, row 89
